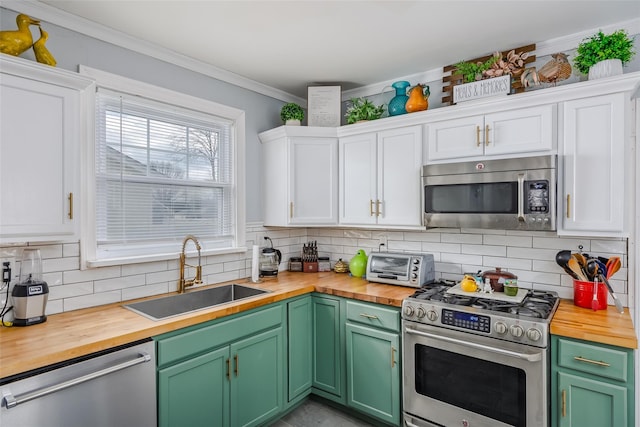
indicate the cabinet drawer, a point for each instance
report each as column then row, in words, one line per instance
column 373, row 315
column 593, row 359
column 198, row 340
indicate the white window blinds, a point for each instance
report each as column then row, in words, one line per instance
column 162, row 172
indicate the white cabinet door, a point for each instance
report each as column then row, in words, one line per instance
column 399, row 188
column 39, row 158
column 517, row 131
column 300, row 176
column 451, row 139
column 358, row 171
column 380, row 178
column 314, row 180
column 593, row 149
column 520, row 131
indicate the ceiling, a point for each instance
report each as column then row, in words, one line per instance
column 289, row 45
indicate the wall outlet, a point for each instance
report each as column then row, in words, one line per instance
column 383, row 244
column 14, row 270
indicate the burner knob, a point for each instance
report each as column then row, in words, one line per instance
column 421, row 313
column 534, row 334
column 516, row 331
column 500, row 328
column 432, row 315
column 408, row 310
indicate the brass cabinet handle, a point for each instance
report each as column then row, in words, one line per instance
column 370, row 207
column 368, row 316
column 593, row 362
column 393, row 356
column 477, row 136
column 378, row 208
column 486, row 135
column 229, row 369
column 564, row 403
column 568, row 208
column 70, row 205
column 290, row 209
column 235, row 369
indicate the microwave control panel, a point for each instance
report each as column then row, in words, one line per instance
column 537, row 197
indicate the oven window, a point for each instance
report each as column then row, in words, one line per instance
column 486, row 388
column 390, row 265
column 491, row 197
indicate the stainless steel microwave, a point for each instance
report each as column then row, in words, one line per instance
column 511, row 194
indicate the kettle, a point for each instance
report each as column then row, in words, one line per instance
column 269, row 260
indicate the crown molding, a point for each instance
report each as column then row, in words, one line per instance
column 83, row 26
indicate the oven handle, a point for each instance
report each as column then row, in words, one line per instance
column 528, row 357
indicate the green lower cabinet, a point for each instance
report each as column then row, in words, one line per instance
column 300, row 347
column 592, row 384
column 257, row 379
column 589, row 403
column 181, row 389
column 328, row 344
column 373, row 372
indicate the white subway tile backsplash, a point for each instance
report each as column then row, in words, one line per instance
column 529, row 255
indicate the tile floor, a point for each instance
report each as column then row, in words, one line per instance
column 314, row 413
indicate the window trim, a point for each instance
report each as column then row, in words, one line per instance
column 118, row 83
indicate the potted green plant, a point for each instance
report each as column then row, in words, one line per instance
column 604, row 55
column 291, row 114
column 472, row 71
column 362, row 109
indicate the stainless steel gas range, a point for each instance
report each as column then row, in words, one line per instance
column 476, row 361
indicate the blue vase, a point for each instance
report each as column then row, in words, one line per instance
column 397, row 103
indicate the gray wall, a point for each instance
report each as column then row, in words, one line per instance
column 262, row 112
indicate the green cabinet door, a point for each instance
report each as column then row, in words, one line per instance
column 328, row 348
column 300, row 343
column 373, row 372
column 195, row 392
column 257, row 373
column 588, row 403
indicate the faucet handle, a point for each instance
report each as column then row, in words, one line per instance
column 198, row 279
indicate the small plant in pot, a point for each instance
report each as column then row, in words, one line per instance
column 362, row 109
column 291, row 114
column 616, row 49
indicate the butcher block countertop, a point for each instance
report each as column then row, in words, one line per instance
column 77, row 333
column 601, row 326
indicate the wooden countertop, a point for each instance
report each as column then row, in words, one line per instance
column 602, row 326
column 77, row 333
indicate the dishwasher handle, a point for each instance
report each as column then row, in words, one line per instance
column 13, row 401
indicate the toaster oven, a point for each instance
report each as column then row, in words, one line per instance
column 404, row 269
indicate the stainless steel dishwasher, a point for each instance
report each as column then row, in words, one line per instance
column 111, row 388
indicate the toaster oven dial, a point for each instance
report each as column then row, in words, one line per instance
column 516, row 331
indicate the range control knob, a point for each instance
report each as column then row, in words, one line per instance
column 421, row 313
column 516, row 331
column 409, row 310
column 500, row 328
column 534, row 334
column 432, row 315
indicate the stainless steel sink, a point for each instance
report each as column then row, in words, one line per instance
column 175, row 305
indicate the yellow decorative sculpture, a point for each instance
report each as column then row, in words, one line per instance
column 17, row 41
column 42, row 53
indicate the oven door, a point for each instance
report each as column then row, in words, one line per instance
column 453, row 378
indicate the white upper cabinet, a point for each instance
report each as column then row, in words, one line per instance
column 41, row 132
column 592, row 198
column 300, row 176
column 380, row 178
column 519, row 131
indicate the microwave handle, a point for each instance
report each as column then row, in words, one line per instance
column 521, row 177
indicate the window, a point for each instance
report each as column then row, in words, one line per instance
column 162, row 171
